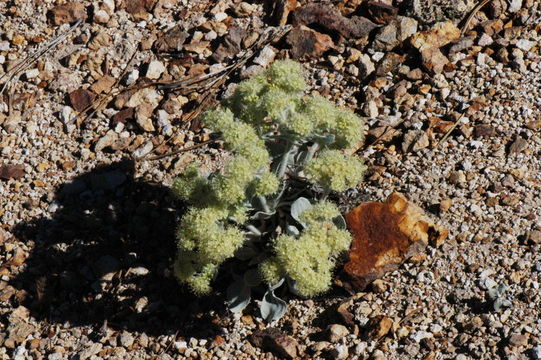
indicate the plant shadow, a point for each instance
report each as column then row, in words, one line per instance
column 105, row 256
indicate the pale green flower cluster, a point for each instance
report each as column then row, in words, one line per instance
column 335, row 170
column 276, row 96
column 308, row 259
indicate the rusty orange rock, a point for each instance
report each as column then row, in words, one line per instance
column 385, row 235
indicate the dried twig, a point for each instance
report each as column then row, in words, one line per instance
column 471, row 15
column 29, row 60
column 457, row 122
column 201, row 144
column 410, row 315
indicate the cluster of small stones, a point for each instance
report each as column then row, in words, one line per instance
column 483, row 182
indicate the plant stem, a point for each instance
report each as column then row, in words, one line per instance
column 291, row 150
column 263, row 202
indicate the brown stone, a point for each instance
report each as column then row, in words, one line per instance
column 123, row 116
column 139, row 9
column 535, row 236
column 381, row 13
column 172, row 41
column 439, row 35
column 230, row 46
column 11, row 172
column 492, row 27
column 415, row 74
column 534, row 124
column 103, row 84
column 306, row 42
column 19, row 257
column 388, row 63
column 517, row 340
column 81, row 99
column 484, row 130
column 433, row 60
column 276, row 341
column 496, row 8
column 445, row 205
column 67, row 13
column 518, row 145
column 332, row 21
column 281, row 9
column 384, row 236
column 99, row 40
column 68, row 165
column 378, row 326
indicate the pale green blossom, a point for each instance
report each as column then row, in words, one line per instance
column 230, row 188
column 267, row 184
column 286, row 75
column 301, row 124
column 334, row 170
column 191, row 186
column 320, row 212
column 199, row 283
column 271, row 271
column 348, row 128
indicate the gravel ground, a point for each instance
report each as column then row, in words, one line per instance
column 87, row 220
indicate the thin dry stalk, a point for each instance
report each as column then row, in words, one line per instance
column 471, row 15
column 457, row 122
column 29, row 60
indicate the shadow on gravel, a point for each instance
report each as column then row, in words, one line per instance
column 104, row 257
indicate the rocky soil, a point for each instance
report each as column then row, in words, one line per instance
column 93, row 131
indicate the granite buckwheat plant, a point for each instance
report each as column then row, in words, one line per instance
column 265, row 218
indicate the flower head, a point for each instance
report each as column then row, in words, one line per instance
column 348, row 128
column 334, row 170
column 286, row 75
column 191, row 186
column 321, row 212
column 271, row 271
column 267, row 184
column 306, row 260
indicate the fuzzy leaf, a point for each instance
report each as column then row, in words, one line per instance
column 261, row 215
column 501, row 303
column 324, row 139
column 496, row 292
column 238, row 296
column 292, row 230
column 272, row 308
column 292, row 285
column 340, row 222
column 298, row 207
column 277, row 285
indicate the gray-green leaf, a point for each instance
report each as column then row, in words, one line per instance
column 238, row 296
column 324, row 139
column 340, row 222
column 292, row 230
column 261, row 215
column 298, row 207
column 272, row 308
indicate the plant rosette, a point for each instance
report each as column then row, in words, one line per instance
column 265, row 217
